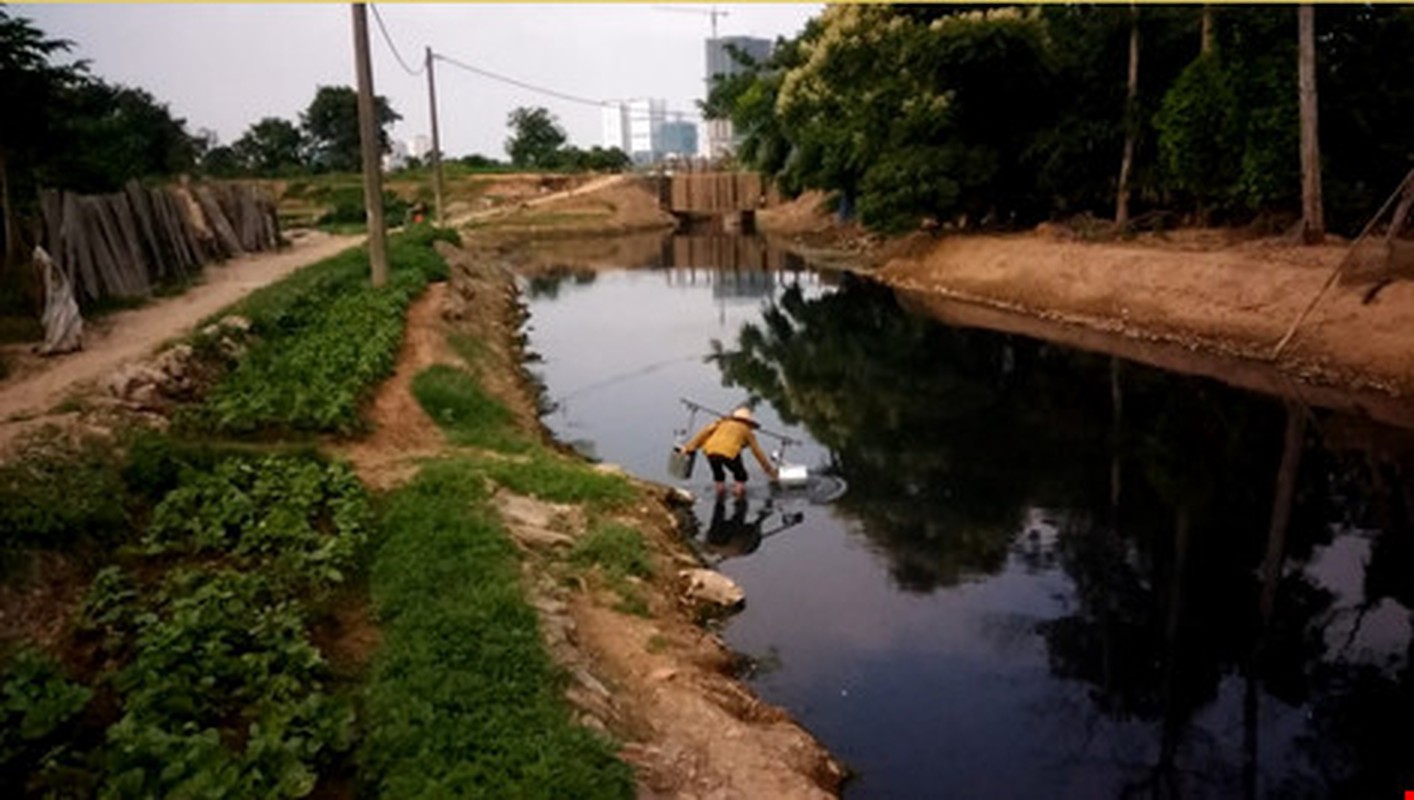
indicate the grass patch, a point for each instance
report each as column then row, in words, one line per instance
column 615, row 548
column 559, row 480
column 322, row 339
column 464, row 701
column 470, row 415
column 471, row 350
column 619, row 553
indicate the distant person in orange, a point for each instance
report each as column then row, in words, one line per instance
column 723, row 442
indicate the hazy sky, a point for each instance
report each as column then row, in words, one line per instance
column 225, row 66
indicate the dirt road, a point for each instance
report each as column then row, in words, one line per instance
column 39, row 384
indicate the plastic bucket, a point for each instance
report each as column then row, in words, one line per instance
column 680, row 464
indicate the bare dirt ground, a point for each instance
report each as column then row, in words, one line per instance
column 1195, row 289
column 614, row 204
column 37, row 384
column 1222, row 292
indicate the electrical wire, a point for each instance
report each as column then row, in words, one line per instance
column 485, row 73
column 389, row 41
column 668, row 115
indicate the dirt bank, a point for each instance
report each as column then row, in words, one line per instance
column 1197, row 290
column 607, row 206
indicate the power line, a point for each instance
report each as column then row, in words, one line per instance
column 522, row 84
column 635, row 116
column 486, row 73
column 389, row 41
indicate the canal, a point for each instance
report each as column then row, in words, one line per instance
column 1055, row 572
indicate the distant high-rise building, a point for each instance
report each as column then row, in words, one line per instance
column 638, row 128
column 721, row 139
column 678, row 138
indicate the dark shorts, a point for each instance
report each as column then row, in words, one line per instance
column 720, row 464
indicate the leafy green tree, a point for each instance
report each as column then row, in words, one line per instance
column 221, row 161
column 1199, row 134
column 596, row 158
column 30, row 90
column 271, row 146
column 115, row 133
column 331, row 125
column 536, row 136
column 881, row 96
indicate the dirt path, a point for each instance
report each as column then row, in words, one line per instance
column 596, row 185
column 402, row 432
column 39, row 384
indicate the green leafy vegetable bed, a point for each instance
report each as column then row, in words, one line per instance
column 204, row 680
column 321, row 340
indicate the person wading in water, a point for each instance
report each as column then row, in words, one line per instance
column 723, row 442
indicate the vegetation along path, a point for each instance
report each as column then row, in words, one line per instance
column 38, row 384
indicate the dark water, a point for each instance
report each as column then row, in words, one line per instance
column 1055, row 573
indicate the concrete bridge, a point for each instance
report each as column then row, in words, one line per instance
column 722, row 200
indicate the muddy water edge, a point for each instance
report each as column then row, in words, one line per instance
column 1064, row 565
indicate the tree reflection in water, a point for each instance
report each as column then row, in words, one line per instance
column 1176, row 492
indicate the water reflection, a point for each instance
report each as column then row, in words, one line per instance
column 1056, row 572
column 1195, row 519
column 738, row 525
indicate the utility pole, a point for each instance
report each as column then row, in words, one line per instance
column 368, row 138
column 436, row 140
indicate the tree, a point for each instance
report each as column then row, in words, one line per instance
column 914, row 119
column 331, row 125
column 112, row 134
column 271, row 146
column 1131, row 95
column 1313, row 219
column 1200, row 141
column 30, row 91
column 221, row 161
column 536, row 136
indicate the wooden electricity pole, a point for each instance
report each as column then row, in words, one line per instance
column 368, row 137
column 436, row 140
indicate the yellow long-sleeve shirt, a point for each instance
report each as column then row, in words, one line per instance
column 727, row 437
